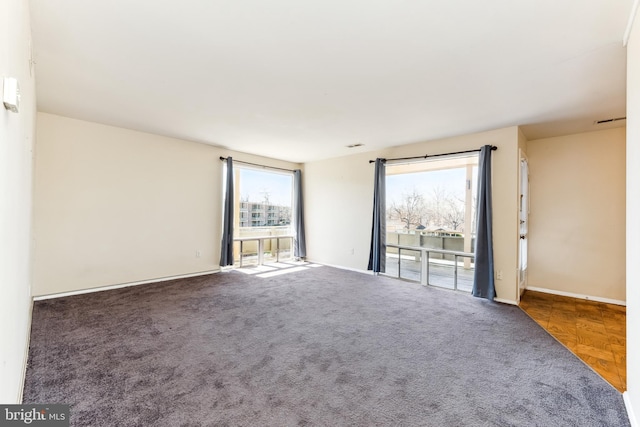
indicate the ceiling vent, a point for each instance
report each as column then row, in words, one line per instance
column 617, row 119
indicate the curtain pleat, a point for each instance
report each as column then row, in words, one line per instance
column 226, row 253
column 483, row 279
column 377, row 253
column 299, row 240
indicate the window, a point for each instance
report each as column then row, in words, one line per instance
column 267, row 196
column 263, row 209
column 431, row 205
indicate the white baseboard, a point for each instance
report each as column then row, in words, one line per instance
column 25, row 359
column 122, row 285
column 341, row 267
column 579, row 296
column 627, row 403
column 505, row 301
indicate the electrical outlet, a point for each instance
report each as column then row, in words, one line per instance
column 499, row 275
column 198, row 253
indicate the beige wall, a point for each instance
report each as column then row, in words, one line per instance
column 632, row 397
column 339, row 197
column 115, row 206
column 577, row 220
column 16, row 165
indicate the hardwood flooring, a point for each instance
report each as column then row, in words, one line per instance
column 593, row 331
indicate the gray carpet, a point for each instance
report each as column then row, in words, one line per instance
column 321, row 347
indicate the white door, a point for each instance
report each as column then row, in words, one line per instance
column 524, row 222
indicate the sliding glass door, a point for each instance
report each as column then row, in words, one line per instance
column 431, row 221
column 263, row 209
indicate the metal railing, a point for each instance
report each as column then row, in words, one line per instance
column 424, row 261
column 260, row 250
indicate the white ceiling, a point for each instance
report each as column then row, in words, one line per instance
column 300, row 80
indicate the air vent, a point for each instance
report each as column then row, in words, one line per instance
column 355, row 145
column 617, row 119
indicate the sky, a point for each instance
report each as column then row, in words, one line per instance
column 451, row 180
column 255, row 184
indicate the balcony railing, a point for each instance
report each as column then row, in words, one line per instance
column 435, row 267
column 256, row 250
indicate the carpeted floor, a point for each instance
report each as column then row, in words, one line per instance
column 321, row 347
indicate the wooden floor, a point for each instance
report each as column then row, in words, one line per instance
column 593, row 331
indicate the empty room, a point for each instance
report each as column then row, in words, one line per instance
column 324, row 213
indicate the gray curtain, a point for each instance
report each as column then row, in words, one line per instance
column 226, row 253
column 483, row 281
column 377, row 253
column 299, row 241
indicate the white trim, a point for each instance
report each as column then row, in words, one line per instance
column 627, row 403
column 579, row 296
column 632, row 15
column 505, row 301
column 522, row 156
column 239, row 164
column 25, row 359
column 122, row 285
column 341, row 267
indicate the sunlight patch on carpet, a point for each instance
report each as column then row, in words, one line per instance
column 257, row 269
column 281, row 272
column 277, row 268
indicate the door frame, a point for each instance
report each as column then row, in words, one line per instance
column 523, row 227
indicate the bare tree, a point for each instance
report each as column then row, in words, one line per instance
column 265, row 194
column 411, row 209
column 453, row 215
column 440, row 208
column 438, row 201
column 446, row 210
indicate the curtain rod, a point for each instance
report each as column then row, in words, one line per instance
column 255, row 164
column 493, row 148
